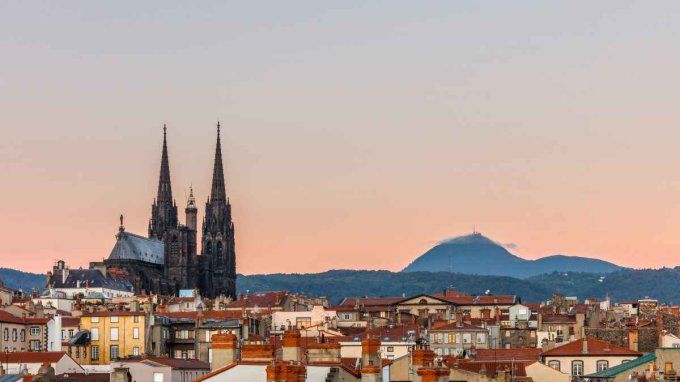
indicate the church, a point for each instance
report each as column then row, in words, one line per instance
column 167, row 259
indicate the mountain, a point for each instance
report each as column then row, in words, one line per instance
column 624, row 284
column 22, row 280
column 477, row 254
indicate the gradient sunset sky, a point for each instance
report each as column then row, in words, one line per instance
column 355, row 134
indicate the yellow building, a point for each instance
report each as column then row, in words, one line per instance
column 114, row 335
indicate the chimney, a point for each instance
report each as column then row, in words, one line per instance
column 120, row 374
column 585, row 345
column 370, row 352
column 224, row 348
column 291, row 345
column 281, row 371
column 325, row 352
column 421, row 357
column 371, row 372
column 433, row 374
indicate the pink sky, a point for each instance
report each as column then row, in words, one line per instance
column 355, row 135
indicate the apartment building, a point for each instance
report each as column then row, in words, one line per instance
column 114, row 335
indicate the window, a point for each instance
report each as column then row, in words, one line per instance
column 70, row 333
column 77, row 351
column 554, row 364
column 135, row 350
column 135, row 319
column 452, row 338
column 481, row 338
column 94, row 320
column 35, row 331
column 467, row 338
column 114, row 319
column 157, row 377
column 114, row 334
column 390, row 348
column 602, row 365
column 94, row 334
column 135, row 333
column 114, row 352
column 209, row 355
column 63, row 335
column 34, row 345
column 95, row 352
column 22, row 335
column 14, row 335
column 667, row 367
column 303, row 322
column 576, row 368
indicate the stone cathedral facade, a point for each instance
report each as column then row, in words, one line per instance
column 167, row 259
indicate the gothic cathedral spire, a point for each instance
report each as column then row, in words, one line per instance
column 163, row 210
column 217, row 192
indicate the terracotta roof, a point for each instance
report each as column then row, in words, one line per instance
column 524, row 354
column 262, row 300
column 70, row 321
column 177, row 300
column 518, row 368
column 175, row 363
column 6, row 317
column 558, row 318
column 595, row 348
column 454, row 326
column 478, row 300
column 207, row 315
column 107, row 313
column 36, row 321
column 393, row 333
column 368, row 301
column 32, row 356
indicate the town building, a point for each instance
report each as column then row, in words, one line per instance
column 587, row 356
column 114, row 334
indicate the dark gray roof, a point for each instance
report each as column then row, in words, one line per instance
column 80, row 338
column 134, row 247
column 92, row 278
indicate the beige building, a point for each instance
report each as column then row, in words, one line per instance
column 114, row 335
column 587, row 356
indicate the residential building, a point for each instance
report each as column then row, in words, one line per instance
column 458, row 337
column 311, row 322
column 83, row 282
column 18, row 362
column 587, row 356
column 163, row 369
column 114, row 334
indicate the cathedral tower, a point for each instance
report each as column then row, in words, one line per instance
column 163, row 210
column 218, row 250
column 191, row 211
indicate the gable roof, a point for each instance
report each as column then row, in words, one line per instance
column 32, row 356
column 595, row 348
column 134, row 247
column 93, row 278
column 478, row 300
column 522, row 354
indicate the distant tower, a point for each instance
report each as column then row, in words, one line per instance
column 219, row 263
column 163, row 210
column 191, row 211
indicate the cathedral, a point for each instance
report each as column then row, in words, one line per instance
column 167, row 260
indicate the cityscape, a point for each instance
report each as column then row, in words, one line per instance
column 322, row 192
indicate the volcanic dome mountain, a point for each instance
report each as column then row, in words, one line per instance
column 477, row 254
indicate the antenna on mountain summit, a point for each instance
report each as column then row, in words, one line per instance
column 474, row 229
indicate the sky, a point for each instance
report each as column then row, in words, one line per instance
column 356, row 135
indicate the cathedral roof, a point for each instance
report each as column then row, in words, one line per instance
column 134, row 247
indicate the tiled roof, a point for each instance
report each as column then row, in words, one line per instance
column 524, row 354
column 262, row 300
column 369, row 301
column 32, row 357
column 6, row 317
column 595, row 348
column 558, row 319
column 392, row 333
column 109, row 313
column 454, row 326
column 517, row 368
column 134, row 247
column 207, row 315
column 70, row 321
column 176, row 363
column 477, row 300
